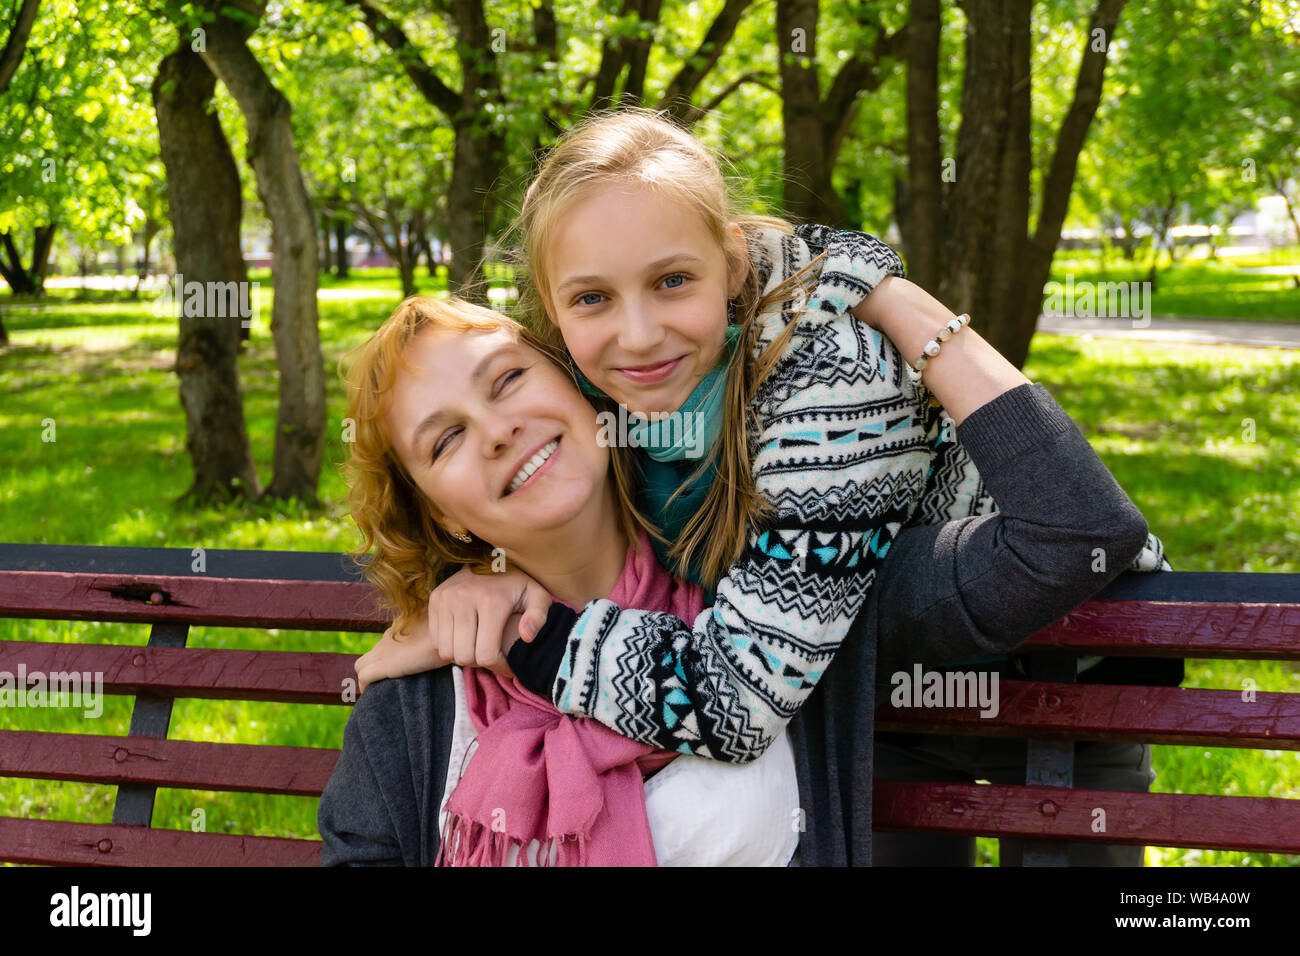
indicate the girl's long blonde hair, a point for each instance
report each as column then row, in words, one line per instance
column 639, row 146
column 413, row 552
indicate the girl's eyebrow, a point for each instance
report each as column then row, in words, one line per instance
column 480, row 370
column 652, row 267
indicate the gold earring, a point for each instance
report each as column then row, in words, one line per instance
column 461, row 536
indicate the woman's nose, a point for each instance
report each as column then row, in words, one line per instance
column 499, row 432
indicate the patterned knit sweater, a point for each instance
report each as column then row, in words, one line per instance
column 849, row 452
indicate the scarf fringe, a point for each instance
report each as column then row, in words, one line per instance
column 465, row 841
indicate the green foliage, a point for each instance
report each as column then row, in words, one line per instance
column 76, row 128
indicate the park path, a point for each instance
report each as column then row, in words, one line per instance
column 1285, row 335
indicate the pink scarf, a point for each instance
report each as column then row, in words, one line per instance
column 567, row 782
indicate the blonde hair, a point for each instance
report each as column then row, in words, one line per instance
column 413, row 551
column 639, row 146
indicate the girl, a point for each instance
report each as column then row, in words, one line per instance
column 764, row 342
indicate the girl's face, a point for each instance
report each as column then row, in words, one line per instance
column 639, row 291
column 479, row 414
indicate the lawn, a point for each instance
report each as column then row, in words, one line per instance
column 1200, row 288
column 1202, row 438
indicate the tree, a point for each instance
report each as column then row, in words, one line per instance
column 815, row 125
column 72, row 133
column 976, row 252
column 205, row 207
column 300, row 419
column 16, row 43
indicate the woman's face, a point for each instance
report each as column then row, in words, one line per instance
column 639, row 291
column 496, row 436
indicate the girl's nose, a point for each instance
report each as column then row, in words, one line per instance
column 640, row 332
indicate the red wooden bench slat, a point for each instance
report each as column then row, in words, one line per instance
column 184, row 764
column 1263, row 824
column 214, row 674
column 221, row 602
column 60, row 843
column 1160, row 629
column 1162, row 715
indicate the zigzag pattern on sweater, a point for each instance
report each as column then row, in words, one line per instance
column 849, row 453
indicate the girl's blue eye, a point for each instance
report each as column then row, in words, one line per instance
column 582, row 299
column 675, row 275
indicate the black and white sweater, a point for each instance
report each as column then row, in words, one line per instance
column 849, row 452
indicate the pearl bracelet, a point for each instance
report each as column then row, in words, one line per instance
column 932, row 346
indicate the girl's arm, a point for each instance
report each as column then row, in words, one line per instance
column 968, row 372
column 844, row 457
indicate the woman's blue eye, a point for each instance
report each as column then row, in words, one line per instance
column 582, row 299
column 676, row 275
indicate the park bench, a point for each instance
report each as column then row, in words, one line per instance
column 1172, row 614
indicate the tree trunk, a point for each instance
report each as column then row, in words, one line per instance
column 806, row 190
column 1006, row 287
column 16, row 43
column 150, row 231
column 341, row 231
column 203, row 195
column 300, row 420
column 474, row 178
column 22, row 280
column 924, row 187
column 975, row 202
column 408, row 255
column 1059, row 180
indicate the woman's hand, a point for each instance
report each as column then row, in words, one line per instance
column 476, row 618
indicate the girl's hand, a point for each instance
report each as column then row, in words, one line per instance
column 415, row 653
column 476, row 618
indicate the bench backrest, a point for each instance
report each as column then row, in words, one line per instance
column 1172, row 614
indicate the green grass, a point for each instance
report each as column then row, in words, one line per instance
column 1200, row 288
column 1171, row 422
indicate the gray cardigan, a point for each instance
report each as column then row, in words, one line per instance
column 947, row 592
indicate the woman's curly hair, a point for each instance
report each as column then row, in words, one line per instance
column 413, row 552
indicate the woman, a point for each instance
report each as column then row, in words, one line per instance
column 383, row 801
column 468, row 434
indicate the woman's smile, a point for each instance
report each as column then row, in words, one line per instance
column 534, row 467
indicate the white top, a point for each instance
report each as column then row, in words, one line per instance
column 701, row 812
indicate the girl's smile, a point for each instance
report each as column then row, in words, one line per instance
column 653, row 374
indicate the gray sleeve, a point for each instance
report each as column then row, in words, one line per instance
column 983, row 584
column 353, row 817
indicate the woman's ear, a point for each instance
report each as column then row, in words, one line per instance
column 737, row 251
